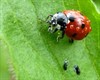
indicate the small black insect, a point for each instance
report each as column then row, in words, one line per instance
column 77, row 70
column 65, row 65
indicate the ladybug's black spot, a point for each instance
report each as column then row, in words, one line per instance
column 82, row 26
column 74, row 35
column 71, row 19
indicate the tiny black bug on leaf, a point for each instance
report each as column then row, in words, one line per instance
column 77, row 70
column 65, row 65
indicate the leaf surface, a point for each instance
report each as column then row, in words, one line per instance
column 35, row 53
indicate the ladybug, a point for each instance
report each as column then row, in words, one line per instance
column 70, row 22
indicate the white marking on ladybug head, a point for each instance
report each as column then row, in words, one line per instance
column 55, row 16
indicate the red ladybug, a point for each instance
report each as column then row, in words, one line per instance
column 70, row 22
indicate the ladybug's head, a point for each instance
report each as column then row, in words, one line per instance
column 56, row 21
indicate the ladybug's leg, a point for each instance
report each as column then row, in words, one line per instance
column 60, row 36
column 71, row 40
column 49, row 28
column 55, row 30
column 52, row 30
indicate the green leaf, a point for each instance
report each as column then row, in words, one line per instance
column 96, row 3
column 4, row 73
column 35, row 54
